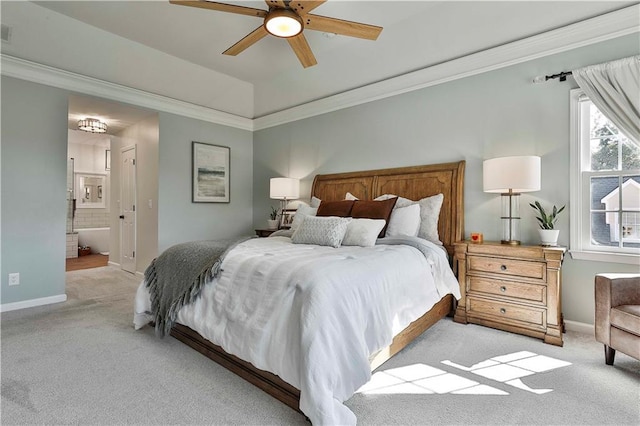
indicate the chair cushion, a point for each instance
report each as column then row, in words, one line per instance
column 626, row 317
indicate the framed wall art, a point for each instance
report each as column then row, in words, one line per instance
column 210, row 164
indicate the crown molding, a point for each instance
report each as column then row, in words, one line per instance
column 605, row 27
column 50, row 76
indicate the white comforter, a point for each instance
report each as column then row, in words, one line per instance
column 313, row 315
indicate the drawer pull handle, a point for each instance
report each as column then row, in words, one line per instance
column 503, row 267
column 503, row 289
column 503, row 311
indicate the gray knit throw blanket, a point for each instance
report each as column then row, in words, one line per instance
column 177, row 276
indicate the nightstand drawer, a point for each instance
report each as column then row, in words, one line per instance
column 515, row 290
column 502, row 312
column 502, row 266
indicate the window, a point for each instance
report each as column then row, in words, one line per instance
column 605, row 187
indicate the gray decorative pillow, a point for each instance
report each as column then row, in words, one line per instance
column 321, row 230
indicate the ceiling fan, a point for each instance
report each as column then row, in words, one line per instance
column 288, row 19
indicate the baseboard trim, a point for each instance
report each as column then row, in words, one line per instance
column 579, row 327
column 110, row 263
column 6, row 307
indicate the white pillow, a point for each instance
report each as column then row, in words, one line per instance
column 387, row 196
column 322, row 231
column 363, row 232
column 315, row 202
column 301, row 213
column 350, row 196
column 429, row 214
column 404, row 221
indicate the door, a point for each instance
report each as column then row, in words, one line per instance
column 128, row 209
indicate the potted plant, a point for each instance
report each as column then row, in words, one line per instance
column 548, row 235
column 273, row 219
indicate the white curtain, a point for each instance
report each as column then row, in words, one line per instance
column 614, row 87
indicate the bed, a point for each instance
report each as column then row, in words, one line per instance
column 414, row 183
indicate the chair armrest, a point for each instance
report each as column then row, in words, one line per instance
column 602, row 295
column 625, row 289
column 613, row 290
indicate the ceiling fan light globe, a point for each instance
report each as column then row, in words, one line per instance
column 283, row 23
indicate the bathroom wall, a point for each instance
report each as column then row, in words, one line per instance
column 88, row 151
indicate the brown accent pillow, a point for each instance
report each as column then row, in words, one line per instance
column 374, row 210
column 335, row 208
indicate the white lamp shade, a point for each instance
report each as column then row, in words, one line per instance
column 519, row 174
column 284, row 188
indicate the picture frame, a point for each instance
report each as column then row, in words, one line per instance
column 210, row 173
column 286, row 218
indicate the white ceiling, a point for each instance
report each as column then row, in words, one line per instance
column 416, row 35
column 86, row 138
column 118, row 116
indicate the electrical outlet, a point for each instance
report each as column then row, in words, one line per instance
column 14, row 279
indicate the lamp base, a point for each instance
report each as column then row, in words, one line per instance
column 511, row 242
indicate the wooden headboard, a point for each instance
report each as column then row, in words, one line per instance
column 415, row 183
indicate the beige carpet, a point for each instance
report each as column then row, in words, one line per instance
column 81, row 362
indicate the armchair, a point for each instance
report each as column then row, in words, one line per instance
column 617, row 316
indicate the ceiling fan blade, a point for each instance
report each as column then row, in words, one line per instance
column 338, row 26
column 276, row 3
column 222, row 7
column 252, row 38
column 302, row 7
column 302, row 50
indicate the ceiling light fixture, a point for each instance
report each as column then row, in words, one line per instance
column 283, row 23
column 92, row 125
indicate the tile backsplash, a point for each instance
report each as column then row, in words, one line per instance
column 91, row 218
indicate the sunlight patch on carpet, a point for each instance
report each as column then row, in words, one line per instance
column 425, row 379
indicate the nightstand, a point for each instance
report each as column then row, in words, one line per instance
column 512, row 288
column 264, row 232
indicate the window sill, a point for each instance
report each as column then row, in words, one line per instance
column 598, row 256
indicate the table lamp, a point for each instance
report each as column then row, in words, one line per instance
column 511, row 176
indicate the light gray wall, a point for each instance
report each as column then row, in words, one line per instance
column 34, row 179
column 145, row 136
column 179, row 219
column 499, row 113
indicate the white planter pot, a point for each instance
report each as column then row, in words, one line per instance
column 549, row 237
column 272, row 224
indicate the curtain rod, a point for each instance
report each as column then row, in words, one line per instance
column 561, row 76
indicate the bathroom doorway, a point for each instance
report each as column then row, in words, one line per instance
column 95, row 182
column 88, row 199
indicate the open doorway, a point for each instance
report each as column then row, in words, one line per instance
column 94, row 227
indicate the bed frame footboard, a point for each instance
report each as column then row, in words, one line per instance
column 283, row 391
